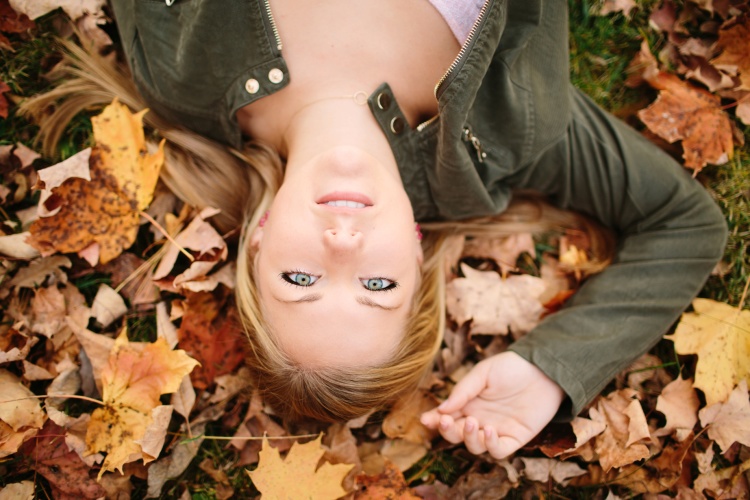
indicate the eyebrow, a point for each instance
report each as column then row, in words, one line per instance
column 312, row 297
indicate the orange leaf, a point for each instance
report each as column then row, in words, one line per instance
column 734, row 43
column 693, row 115
column 298, row 475
column 389, row 484
column 136, row 375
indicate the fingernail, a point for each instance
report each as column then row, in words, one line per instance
column 469, row 426
column 443, row 424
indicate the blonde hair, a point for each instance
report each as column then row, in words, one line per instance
column 242, row 184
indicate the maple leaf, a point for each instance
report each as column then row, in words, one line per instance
column 136, row 375
column 729, row 422
column 734, row 42
column 298, row 475
column 20, row 413
column 494, row 305
column 693, row 115
column 717, row 333
column 104, row 211
column 211, row 333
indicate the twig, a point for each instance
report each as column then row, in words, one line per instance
column 166, row 235
column 65, row 396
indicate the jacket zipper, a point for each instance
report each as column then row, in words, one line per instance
column 272, row 23
column 468, row 136
column 459, row 58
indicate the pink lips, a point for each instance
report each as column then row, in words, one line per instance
column 345, row 196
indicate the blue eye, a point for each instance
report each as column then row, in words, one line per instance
column 299, row 279
column 379, row 284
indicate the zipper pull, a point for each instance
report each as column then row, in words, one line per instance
column 468, row 136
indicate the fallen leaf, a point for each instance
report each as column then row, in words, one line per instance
column 729, row 422
column 18, row 491
column 717, row 333
column 77, row 166
column 174, row 464
column 612, row 6
column 108, row 306
column 724, row 483
column 389, row 484
column 15, row 247
column 105, row 210
column 3, row 88
column 48, row 455
column 619, row 444
column 403, row 453
column 495, row 306
column 298, row 474
column 693, row 115
column 734, row 43
column 211, row 333
column 136, row 375
column 39, row 270
column 73, row 8
column 403, row 421
column 18, row 406
column 679, row 403
column 658, row 474
column 483, row 480
column 542, row 469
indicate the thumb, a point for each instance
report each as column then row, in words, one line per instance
column 467, row 389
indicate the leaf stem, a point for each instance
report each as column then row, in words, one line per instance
column 166, row 235
column 45, row 396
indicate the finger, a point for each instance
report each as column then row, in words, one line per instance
column 430, row 419
column 499, row 446
column 451, row 430
column 467, row 389
column 473, row 437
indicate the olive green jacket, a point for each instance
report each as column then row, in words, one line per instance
column 508, row 119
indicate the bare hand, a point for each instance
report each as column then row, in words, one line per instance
column 498, row 407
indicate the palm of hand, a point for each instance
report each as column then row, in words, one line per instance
column 498, row 407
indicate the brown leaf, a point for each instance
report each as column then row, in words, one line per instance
column 693, row 115
column 3, row 89
column 542, row 469
column 403, row 453
column 403, row 419
column 388, row 485
column 13, row 21
column 211, row 333
column 77, row 166
column 504, row 251
column 729, row 422
column 619, row 444
column 494, row 305
column 47, row 454
column 658, row 474
column 612, row 6
column 679, row 403
column 73, row 8
column 734, row 42
column 479, row 483
column 39, row 270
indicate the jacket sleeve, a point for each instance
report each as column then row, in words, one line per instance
column 670, row 236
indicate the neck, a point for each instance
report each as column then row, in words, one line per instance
column 331, row 122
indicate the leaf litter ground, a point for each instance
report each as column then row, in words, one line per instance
column 86, row 411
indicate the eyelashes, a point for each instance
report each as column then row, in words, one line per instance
column 303, row 279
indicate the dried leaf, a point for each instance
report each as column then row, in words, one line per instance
column 389, row 484
column 403, row 453
column 77, row 166
column 717, row 333
column 658, row 474
column 504, row 251
column 403, row 419
column 679, row 403
column 108, row 306
column 18, row 406
column 73, row 8
column 298, row 474
column 542, row 469
column 729, row 422
column 15, row 247
column 693, row 115
column 3, row 86
column 18, row 491
column 135, row 377
column 618, row 445
column 39, row 270
column 734, row 43
column 494, row 305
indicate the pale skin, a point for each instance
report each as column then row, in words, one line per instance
column 336, row 282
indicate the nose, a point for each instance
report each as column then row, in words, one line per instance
column 342, row 240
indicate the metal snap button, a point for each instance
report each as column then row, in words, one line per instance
column 397, row 125
column 252, row 86
column 275, row 75
column 384, row 101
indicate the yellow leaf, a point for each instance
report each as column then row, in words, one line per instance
column 119, row 137
column 718, row 334
column 296, row 477
column 136, row 375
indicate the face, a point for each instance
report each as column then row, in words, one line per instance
column 338, row 260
